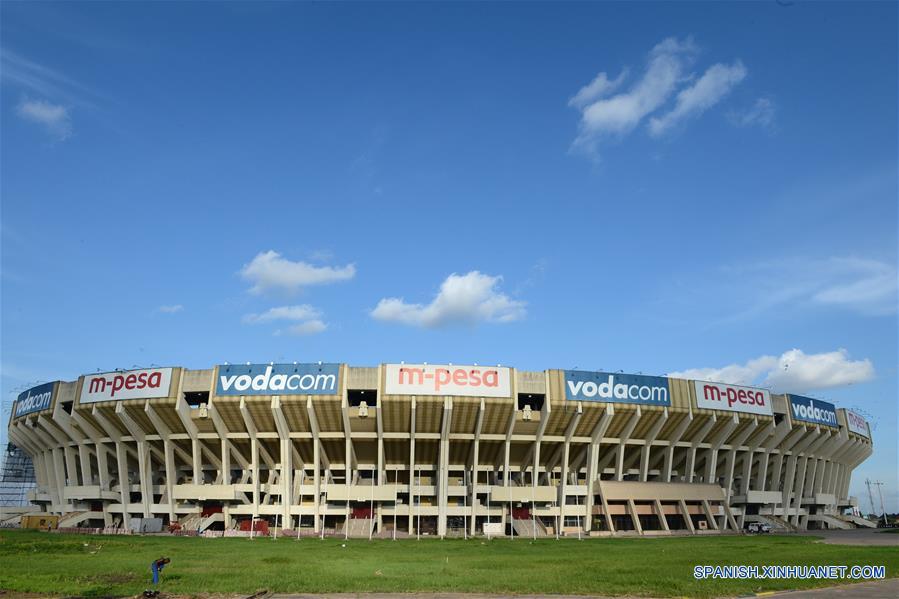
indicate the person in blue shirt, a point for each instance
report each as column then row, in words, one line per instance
column 157, row 566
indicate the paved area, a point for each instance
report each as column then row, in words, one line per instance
column 441, row 596
column 882, row 589
column 858, row 536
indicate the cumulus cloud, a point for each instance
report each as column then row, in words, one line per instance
column 54, row 118
column 308, row 317
column 799, row 371
column 170, row 309
column 462, row 300
column 761, row 113
column 269, row 271
column 736, row 374
column 692, row 101
column 794, row 371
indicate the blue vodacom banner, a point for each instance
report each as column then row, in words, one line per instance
column 34, row 400
column 811, row 410
column 616, row 387
column 277, row 379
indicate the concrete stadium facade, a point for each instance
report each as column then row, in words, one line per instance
column 441, row 450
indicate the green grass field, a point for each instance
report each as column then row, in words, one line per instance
column 94, row 566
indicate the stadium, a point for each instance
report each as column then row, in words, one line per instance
column 403, row 450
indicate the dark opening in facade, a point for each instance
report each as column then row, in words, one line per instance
column 534, row 400
column 357, row 396
column 195, row 398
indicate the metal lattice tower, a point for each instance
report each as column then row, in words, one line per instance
column 16, row 478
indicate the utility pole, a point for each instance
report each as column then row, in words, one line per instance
column 870, row 495
column 882, row 509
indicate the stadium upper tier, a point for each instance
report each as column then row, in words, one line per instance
column 435, row 449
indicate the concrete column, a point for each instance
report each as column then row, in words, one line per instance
column 566, row 456
column 711, row 461
column 87, row 477
column 622, row 443
column 443, row 467
column 413, row 482
column 593, row 462
column 694, row 446
column 317, row 485
column 672, row 445
column 102, row 466
column 170, row 475
column 59, row 476
column 254, row 460
column 645, row 452
column 285, row 477
column 124, row 483
column 473, row 481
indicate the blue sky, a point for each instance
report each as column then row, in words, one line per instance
column 705, row 189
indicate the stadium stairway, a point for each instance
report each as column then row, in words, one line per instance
column 775, row 522
column 525, row 527
column 73, row 519
column 210, row 520
column 858, row 521
column 14, row 521
column 782, row 523
column 191, row 522
column 832, row 521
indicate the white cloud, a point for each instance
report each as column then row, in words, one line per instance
column 308, row 318
column 736, row 374
column 606, row 114
column 462, row 299
column 868, row 286
column 794, row 371
column 788, row 286
column 600, row 87
column 298, row 312
column 798, row 371
column 692, row 101
column 761, row 113
column 269, row 271
column 42, row 80
column 312, row 327
column 53, row 117
column 170, row 309
column 622, row 112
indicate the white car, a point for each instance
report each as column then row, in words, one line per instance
column 758, row 527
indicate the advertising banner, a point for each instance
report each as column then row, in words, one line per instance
column 277, row 379
column 148, row 383
column 616, row 387
column 811, row 410
column 440, row 379
column 733, row 398
column 857, row 424
column 34, row 400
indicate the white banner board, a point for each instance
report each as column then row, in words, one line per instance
column 442, row 379
column 733, row 398
column 856, row 423
column 132, row 384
